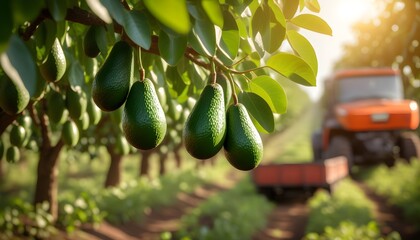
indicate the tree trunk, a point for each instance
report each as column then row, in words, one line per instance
column 113, row 176
column 46, row 185
column 162, row 166
column 144, row 163
column 178, row 159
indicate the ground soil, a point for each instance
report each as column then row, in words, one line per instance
column 389, row 217
column 157, row 221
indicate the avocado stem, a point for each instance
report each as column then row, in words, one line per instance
column 232, row 85
column 141, row 69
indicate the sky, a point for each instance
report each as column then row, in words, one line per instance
column 340, row 15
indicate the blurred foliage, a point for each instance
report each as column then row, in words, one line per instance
column 400, row 184
column 235, row 214
column 389, row 39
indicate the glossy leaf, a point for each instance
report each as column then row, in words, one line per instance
column 313, row 23
column 268, row 33
column 303, row 48
column 292, row 67
column 277, row 13
column 172, row 14
column 289, row 8
column 171, row 46
column 18, row 64
column 115, row 9
column 58, row 9
column 6, row 24
column 100, row 10
column 138, row 29
column 212, row 8
column 203, row 37
column 175, row 81
column 313, row 5
column 229, row 42
column 271, row 91
column 259, row 111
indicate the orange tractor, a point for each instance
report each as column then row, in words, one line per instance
column 367, row 119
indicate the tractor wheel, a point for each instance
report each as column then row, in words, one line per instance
column 409, row 146
column 317, row 146
column 340, row 146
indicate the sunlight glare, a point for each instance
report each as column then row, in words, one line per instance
column 355, row 10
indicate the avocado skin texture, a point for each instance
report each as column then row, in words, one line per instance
column 243, row 145
column 90, row 46
column 112, row 82
column 205, row 128
column 13, row 98
column 54, row 67
column 143, row 119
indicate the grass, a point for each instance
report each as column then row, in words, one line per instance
column 400, row 184
column 234, row 214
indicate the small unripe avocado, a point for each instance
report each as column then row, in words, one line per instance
column 243, row 145
column 143, row 119
column 70, row 133
column 204, row 130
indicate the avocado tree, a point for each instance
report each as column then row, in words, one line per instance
column 389, row 39
column 119, row 52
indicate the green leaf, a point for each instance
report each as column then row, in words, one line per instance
column 203, row 37
column 292, row 67
column 313, row 5
column 18, row 64
column 99, row 9
column 277, row 13
column 6, row 24
column 58, row 9
column 101, row 40
column 175, row 81
column 303, row 48
column 313, row 23
column 229, row 42
column 268, row 33
column 271, row 91
column 212, row 8
column 171, row 46
column 45, row 36
column 138, row 29
column 259, row 110
column 173, row 14
column 115, row 9
column 289, row 8
column 76, row 76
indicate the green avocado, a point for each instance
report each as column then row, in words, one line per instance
column 112, row 82
column 13, row 97
column 90, row 45
column 56, row 107
column 12, row 154
column 243, row 145
column 143, row 119
column 205, row 128
column 70, row 133
column 17, row 135
column 76, row 103
column 55, row 65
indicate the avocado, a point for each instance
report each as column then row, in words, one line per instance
column 56, row 108
column 76, row 103
column 143, row 119
column 90, row 46
column 70, row 133
column 12, row 154
column 13, row 97
column 112, row 82
column 55, row 65
column 17, row 135
column 205, row 127
column 243, row 145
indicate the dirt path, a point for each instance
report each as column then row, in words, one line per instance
column 287, row 221
column 389, row 217
column 165, row 219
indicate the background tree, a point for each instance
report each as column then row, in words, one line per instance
column 50, row 47
column 389, row 39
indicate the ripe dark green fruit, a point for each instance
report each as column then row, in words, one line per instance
column 143, row 119
column 76, row 103
column 17, row 135
column 243, row 145
column 56, row 108
column 204, row 130
column 90, row 45
column 112, row 82
column 70, row 133
column 12, row 154
column 13, row 97
column 55, row 65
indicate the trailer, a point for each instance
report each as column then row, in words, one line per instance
column 271, row 179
